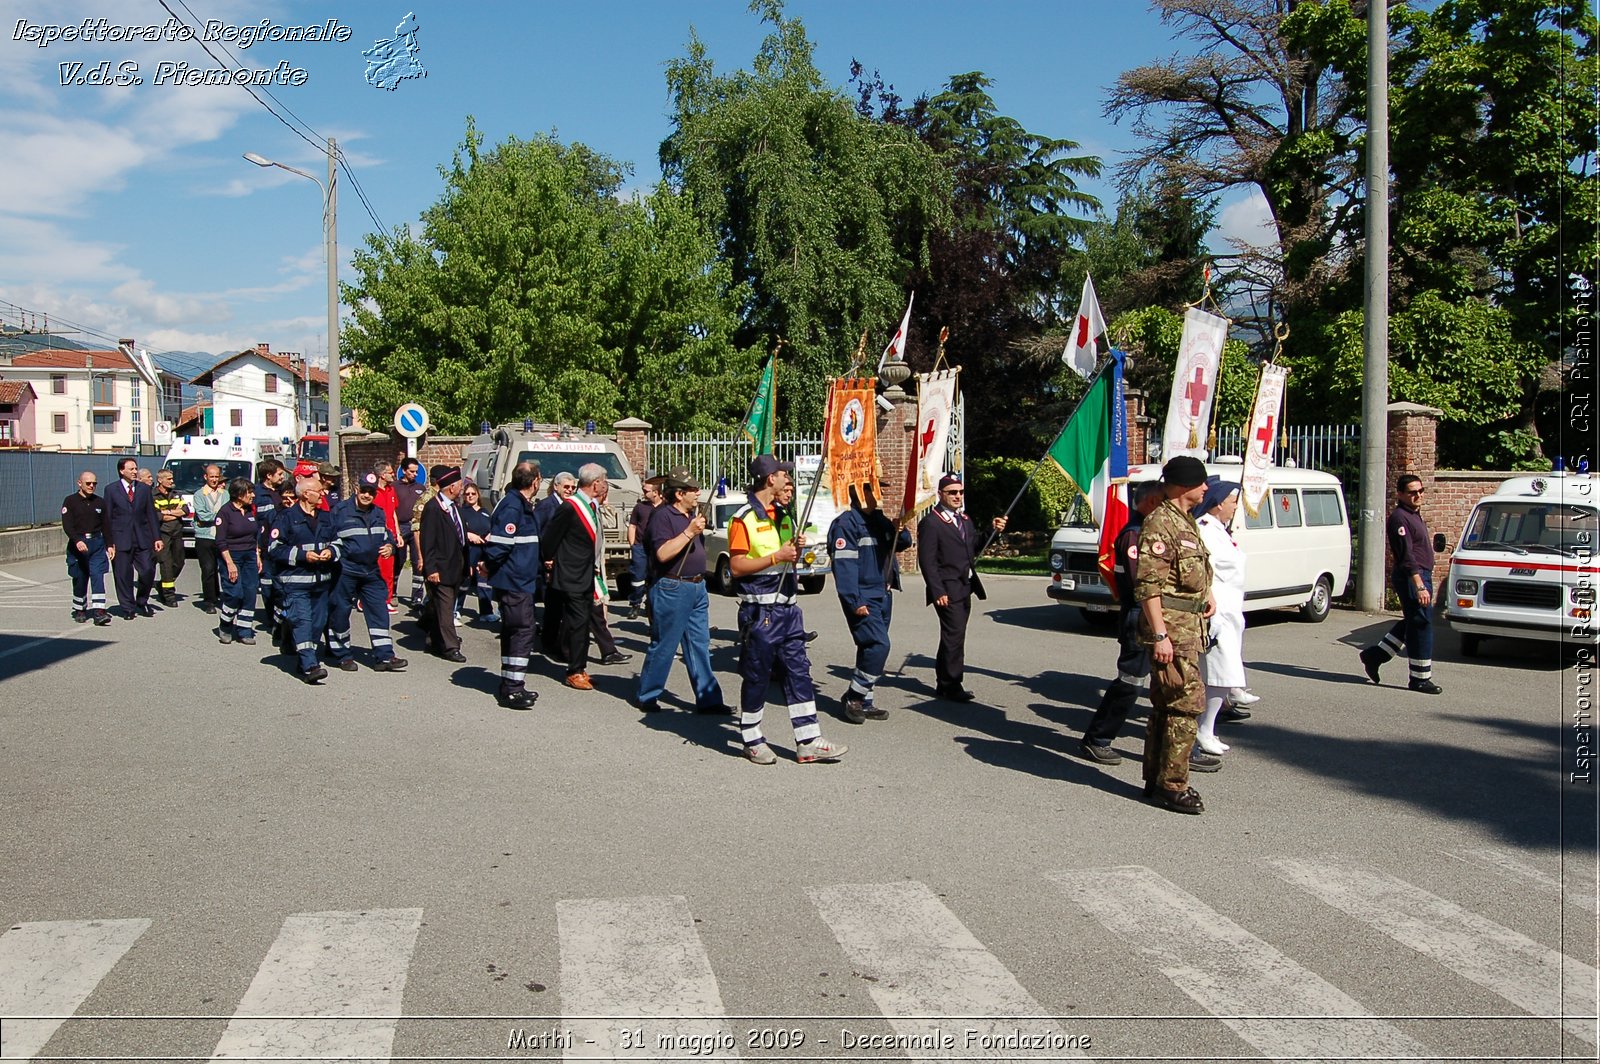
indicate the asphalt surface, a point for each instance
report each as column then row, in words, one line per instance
column 1366, row 851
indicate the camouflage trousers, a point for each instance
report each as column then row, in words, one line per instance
column 1178, row 695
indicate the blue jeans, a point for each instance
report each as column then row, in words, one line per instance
column 680, row 617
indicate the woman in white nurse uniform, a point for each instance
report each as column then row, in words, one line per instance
column 1222, row 665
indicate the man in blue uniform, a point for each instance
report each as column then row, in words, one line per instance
column 863, row 575
column 270, row 476
column 307, row 552
column 762, row 549
column 511, row 552
column 364, row 539
column 1412, row 579
column 83, row 519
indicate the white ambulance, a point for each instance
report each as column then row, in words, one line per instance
column 1525, row 567
column 1297, row 549
column 189, row 456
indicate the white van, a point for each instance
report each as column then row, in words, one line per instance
column 1297, row 548
column 187, row 460
column 1525, row 565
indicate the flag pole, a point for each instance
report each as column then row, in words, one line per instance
column 1037, row 465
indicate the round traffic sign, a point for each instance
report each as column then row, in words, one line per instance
column 411, row 421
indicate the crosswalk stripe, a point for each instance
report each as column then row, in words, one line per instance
column 1533, row 977
column 923, row 963
column 48, row 969
column 623, row 959
column 1230, row 972
column 1509, row 863
column 331, row 986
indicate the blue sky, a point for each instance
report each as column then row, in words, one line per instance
column 129, row 210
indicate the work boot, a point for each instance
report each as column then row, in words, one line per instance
column 1200, row 761
column 1371, row 658
column 79, row 616
column 855, row 708
column 1102, row 755
column 1184, row 801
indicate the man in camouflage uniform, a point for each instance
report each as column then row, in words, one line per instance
column 1173, row 589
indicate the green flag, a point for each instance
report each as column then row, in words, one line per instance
column 762, row 422
column 1084, row 446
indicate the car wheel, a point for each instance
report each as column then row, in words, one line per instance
column 1471, row 643
column 724, row 576
column 811, row 585
column 1316, row 607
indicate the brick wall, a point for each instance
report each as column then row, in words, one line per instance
column 633, row 436
column 1140, row 426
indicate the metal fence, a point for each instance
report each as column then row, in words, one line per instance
column 33, row 483
column 710, row 458
column 1332, row 449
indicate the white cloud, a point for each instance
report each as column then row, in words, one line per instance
column 1245, row 222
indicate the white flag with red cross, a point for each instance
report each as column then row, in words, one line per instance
column 1194, row 384
column 1082, row 352
column 1262, row 436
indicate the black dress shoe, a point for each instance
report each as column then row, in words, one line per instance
column 1103, row 755
column 208, row 609
column 314, row 675
column 721, row 709
column 146, row 611
column 523, row 699
column 618, row 658
column 1233, row 713
column 454, row 655
column 956, row 693
column 811, row 637
column 1427, row 687
column 651, row 706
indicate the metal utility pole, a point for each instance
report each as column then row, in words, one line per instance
column 1375, row 361
column 331, row 228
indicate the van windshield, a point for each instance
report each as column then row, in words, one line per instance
column 552, row 462
column 1531, row 526
column 188, row 474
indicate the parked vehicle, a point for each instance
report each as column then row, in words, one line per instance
column 1525, row 565
column 815, row 563
column 314, row 447
column 1298, row 546
column 189, row 456
column 489, row 459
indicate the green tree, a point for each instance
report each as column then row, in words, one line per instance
column 822, row 213
column 533, row 291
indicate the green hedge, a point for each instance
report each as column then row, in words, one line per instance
column 992, row 482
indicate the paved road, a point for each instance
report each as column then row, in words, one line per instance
column 192, row 837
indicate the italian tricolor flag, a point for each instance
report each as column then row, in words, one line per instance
column 1092, row 450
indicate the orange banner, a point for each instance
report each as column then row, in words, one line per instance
column 852, row 437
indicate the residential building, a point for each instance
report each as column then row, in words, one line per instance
column 262, row 395
column 16, row 413
column 92, row 400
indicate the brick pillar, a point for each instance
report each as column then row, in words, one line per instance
column 633, row 436
column 1139, row 426
column 361, row 451
column 897, row 430
column 1413, row 448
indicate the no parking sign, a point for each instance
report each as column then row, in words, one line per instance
column 411, row 421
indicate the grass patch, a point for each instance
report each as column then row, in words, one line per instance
column 1021, row 565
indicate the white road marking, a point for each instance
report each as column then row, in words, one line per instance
column 922, row 964
column 17, row 579
column 1531, row 976
column 48, row 969
column 330, row 987
column 29, row 645
column 623, row 959
column 1230, row 972
column 1509, row 863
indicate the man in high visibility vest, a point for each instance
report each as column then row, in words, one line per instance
column 763, row 546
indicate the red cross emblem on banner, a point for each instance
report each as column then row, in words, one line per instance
column 1196, row 391
column 1265, row 435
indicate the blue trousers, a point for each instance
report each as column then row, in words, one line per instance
column 516, row 639
column 1413, row 632
column 372, row 591
column 307, row 611
column 271, row 595
column 88, row 573
column 636, row 575
column 680, row 617
column 775, row 648
column 1133, row 671
column 871, row 635
column 238, row 610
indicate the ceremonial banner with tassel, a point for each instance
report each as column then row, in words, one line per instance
column 1259, row 439
column 851, row 437
column 936, row 404
column 1194, row 384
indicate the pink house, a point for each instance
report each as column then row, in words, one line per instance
column 16, row 414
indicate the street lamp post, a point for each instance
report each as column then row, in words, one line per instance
column 330, row 210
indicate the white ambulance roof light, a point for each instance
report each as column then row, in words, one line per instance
column 188, row 440
column 238, row 441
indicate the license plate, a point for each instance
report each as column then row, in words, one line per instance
column 1068, row 583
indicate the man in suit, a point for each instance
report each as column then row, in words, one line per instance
column 947, row 544
column 133, row 539
column 573, row 539
column 444, row 563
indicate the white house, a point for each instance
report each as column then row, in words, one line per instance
column 265, row 396
column 92, row 400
